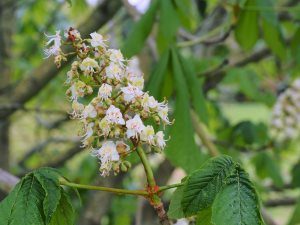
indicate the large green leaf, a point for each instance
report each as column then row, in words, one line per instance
column 247, row 30
column 182, row 150
column 48, row 178
column 195, row 88
column 175, row 209
column 156, row 78
column 295, row 218
column 203, row 185
column 237, row 203
column 64, row 214
column 140, row 31
column 25, row 205
column 168, row 25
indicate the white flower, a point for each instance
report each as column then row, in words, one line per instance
column 77, row 108
column 89, row 65
column 122, row 147
column 105, row 91
column 97, row 40
column 159, row 140
column 77, row 90
column 89, row 133
column 107, row 154
column 277, row 123
column 131, row 92
column 163, row 113
column 55, row 42
column 290, row 132
column 114, row 71
column 89, row 111
column 72, row 34
column 149, row 102
column 104, row 126
column 114, row 115
column 147, row 135
column 116, row 56
column 136, row 81
column 134, row 126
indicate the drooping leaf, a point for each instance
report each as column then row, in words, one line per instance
column 25, row 205
column 195, row 88
column 271, row 28
column 140, row 31
column 182, row 150
column 237, row 202
column 295, row 218
column 266, row 166
column 247, row 30
column 296, row 175
column 175, row 209
column 295, row 46
column 204, row 217
column 64, row 213
column 188, row 14
column 203, row 185
column 156, row 78
column 167, row 30
column 48, row 178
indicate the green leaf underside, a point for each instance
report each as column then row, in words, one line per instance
column 203, row 185
column 247, row 30
column 64, row 214
column 25, row 205
column 237, row 203
column 175, row 209
column 182, row 150
column 140, row 31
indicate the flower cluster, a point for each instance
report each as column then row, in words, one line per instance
column 107, row 97
column 285, row 122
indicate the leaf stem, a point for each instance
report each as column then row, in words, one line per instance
column 106, row 189
column 163, row 188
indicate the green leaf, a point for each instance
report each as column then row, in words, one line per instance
column 295, row 218
column 168, row 25
column 64, row 214
column 237, row 203
column 182, row 150
column 295, row 46
column 188, row 13
column 266, row 166
column 175, row 209
column 203, row 185
column 156, row 78
column 140, row 31
column 247, row 30
column 195, row 88
column 271, row 29
column 296, row 175
column 25, row 205
column 204, row 217
column 48, row 178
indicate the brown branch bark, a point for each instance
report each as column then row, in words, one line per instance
column 40, row 77
column 7, row 181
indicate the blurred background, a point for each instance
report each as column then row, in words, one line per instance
column 238, row 95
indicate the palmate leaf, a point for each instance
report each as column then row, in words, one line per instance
column 37, row 199
column 204, row 217
column 48, row 178
column 24, row 206
column 140, row 31
column 237, row 202
column 64, row 214
column 204, row 184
